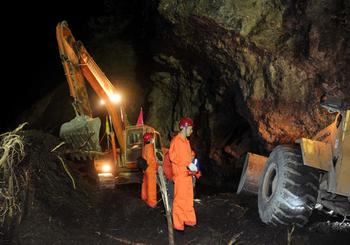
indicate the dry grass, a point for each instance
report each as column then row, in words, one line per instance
column 12, row 179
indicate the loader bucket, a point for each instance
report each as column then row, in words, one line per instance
column 252, row 170
column 82, row 133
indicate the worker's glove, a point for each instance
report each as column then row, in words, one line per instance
column 192, row 167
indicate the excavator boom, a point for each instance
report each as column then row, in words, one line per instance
column 80, row 66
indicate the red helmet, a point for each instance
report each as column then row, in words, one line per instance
column 185, row 122
column 147, row 137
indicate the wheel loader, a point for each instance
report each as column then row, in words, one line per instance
column 114, row 163
column 311, row 174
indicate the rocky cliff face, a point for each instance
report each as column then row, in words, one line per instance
column 250, row 73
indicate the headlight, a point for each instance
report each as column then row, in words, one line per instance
column 106, row 168
column 115, row 98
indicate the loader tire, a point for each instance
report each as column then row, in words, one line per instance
column 288, row 189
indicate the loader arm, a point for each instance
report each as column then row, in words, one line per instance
column 80, row 66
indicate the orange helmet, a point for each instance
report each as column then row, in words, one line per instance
column 147, row 137
column 185, row 122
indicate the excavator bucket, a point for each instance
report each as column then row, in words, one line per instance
column 82, row 133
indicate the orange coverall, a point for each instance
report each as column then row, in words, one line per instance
column 180, row 154
column 149, row 183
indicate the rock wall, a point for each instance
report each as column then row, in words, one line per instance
column 251, row 73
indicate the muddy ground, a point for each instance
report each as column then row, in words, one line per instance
column 56, row 213
column 119, row 217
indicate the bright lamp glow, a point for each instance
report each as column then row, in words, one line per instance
column 115, row 98
column 102, row 102
column 106, row 167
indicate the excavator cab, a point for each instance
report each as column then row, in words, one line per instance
column 127, row 167
column 134, row 144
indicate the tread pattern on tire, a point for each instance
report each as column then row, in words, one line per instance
column 296, row 191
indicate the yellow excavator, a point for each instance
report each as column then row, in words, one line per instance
column 116, row 163
column 310, row 174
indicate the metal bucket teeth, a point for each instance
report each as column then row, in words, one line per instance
column 82, row 133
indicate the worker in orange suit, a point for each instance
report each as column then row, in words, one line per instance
column 149, row 183
column 181, row 156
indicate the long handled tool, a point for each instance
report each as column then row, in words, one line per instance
column 163, row 189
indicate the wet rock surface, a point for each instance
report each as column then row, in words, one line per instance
column 251, row 70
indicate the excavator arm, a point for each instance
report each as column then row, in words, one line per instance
column 70, row 62
column 80, row 66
